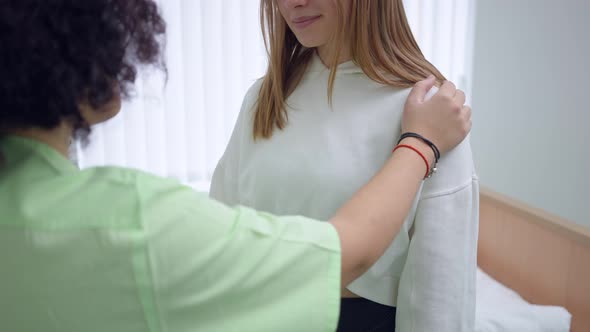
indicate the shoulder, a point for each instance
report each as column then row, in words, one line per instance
column 254, row 89
column 121, row 178
column 246, row 113
column 251, row 97
column 395, row 96
column 147, row 187
column 405, row 92
column 133, row 195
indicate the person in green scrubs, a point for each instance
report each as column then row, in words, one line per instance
column 114, row 249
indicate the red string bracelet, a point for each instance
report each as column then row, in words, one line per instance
column 418, row 152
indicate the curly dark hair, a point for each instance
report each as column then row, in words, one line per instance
column 55, row 54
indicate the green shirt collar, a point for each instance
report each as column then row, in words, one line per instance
column 16, row 148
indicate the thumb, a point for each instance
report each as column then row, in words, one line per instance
column 420, row 89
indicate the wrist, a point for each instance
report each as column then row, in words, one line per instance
column 422, row 147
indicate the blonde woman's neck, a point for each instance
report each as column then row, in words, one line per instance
column 326, row 55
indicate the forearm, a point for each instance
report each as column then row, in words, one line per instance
column 368, row 223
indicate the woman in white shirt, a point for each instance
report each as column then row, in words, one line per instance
column 321, row 122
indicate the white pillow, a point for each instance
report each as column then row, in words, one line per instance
column 500, row 309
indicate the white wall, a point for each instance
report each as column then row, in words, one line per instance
column 531, row 97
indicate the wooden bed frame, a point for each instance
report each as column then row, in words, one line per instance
column 546, row 259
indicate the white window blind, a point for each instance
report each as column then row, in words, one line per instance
column 214, row 52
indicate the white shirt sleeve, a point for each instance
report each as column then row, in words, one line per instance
column 437, row 286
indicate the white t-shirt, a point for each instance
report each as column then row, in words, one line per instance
column 326, row 153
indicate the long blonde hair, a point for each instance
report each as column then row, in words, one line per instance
column 381, row 44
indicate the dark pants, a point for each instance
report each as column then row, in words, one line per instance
column 362, row 315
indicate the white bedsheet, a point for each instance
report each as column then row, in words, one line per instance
column 500, row 309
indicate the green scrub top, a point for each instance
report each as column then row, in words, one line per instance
column 113, row 249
